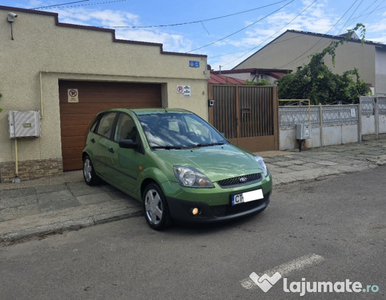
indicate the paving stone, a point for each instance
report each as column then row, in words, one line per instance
column 56, row 197
column 18, row 212
column 50, row 188
column 283, row 163
column 80, row 189
column 14, row 202
column 16, row 193
column 57, row 206
column 94, row 198
column 298, row 168
column 326, row 163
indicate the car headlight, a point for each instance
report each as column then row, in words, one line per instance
column 190, row 177
column 262, row 164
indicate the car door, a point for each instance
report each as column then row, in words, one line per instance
column 104, row 145
column 126, row 162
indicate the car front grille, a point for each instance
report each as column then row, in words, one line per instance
column 240, row 180
column 228, row 210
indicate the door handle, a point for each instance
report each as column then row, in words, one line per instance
column 111, row 150
column 93, row 141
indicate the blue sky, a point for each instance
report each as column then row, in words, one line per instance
column 226, row 31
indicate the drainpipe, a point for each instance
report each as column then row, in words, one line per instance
column 41, row 94
column 17, row 180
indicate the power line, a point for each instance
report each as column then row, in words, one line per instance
column 242, row 29
column 360, row 3
column 273, row 34
column 200, row 21
column 319, row 39
column 375, row 8
column 56, row 5
column 69, row 4
column 335, row 25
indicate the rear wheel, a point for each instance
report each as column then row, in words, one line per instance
column 156, row 208
column 89, row 173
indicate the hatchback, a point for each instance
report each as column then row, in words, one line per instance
column 176, row 164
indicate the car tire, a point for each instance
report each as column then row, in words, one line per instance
column 89, row 173
column 156, row 208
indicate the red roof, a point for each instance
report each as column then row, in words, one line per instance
column 221, row 79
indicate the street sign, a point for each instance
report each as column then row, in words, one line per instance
column 194, row 64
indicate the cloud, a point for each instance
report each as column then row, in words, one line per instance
column 171, row 42
column 106, row 18
column 114, row 19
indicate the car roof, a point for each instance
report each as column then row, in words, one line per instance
column 146, row 111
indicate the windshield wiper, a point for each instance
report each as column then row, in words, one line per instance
column 209, row 145
column 166, row 147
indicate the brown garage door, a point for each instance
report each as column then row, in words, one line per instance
column 75, row 117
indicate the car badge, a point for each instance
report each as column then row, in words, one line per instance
column 243, row 179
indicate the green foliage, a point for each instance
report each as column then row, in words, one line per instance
column 0, row 107
column 258, row 82
column 317, row 83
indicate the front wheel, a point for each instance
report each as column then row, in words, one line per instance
column 156, row 208
column 89, row 173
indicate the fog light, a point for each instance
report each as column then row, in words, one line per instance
column 195, row 211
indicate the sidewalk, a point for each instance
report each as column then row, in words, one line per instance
column 40, row 207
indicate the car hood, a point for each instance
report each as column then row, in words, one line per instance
column 216, row 162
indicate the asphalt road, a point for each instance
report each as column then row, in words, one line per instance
column 320, row 232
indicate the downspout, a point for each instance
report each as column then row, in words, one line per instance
column 17, row 180
column 41, row 94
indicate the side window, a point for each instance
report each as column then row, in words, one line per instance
column 95, row 124
column 125, row 129
column 106, row 125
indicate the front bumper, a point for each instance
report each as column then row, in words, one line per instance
column 181, row 210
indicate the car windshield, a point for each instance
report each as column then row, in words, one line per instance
column 179, row 131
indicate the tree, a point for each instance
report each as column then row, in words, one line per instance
column 319, row 84
column 0, row 107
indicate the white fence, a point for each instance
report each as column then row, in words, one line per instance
column 333, row 124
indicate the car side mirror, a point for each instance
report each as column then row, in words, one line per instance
column 128, row 144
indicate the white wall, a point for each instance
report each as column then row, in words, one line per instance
column 330, row 135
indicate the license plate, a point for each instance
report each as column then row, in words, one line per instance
column 247, row 197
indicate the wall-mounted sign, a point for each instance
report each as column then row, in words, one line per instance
column 73, row 95
column 187, row 91
column 194, row 64
column 184, row 89
column 180, row 89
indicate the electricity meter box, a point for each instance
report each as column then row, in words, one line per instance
column 24, row 124
column 303, row 131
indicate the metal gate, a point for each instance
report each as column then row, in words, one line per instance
column 247, row 115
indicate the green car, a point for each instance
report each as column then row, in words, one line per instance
column 176, row 164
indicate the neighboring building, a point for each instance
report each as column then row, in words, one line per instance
column 254, row 74
column 70, row 72
column 220, row 79
column 292, row 49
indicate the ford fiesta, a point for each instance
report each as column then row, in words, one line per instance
column 176, row 164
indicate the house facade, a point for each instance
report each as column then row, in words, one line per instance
column 292, row 49
column 68, row 73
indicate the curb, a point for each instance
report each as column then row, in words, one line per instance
column 65, row 220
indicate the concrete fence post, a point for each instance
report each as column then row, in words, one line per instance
column 376, row 118
column 321, row 124
column 360, row 122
